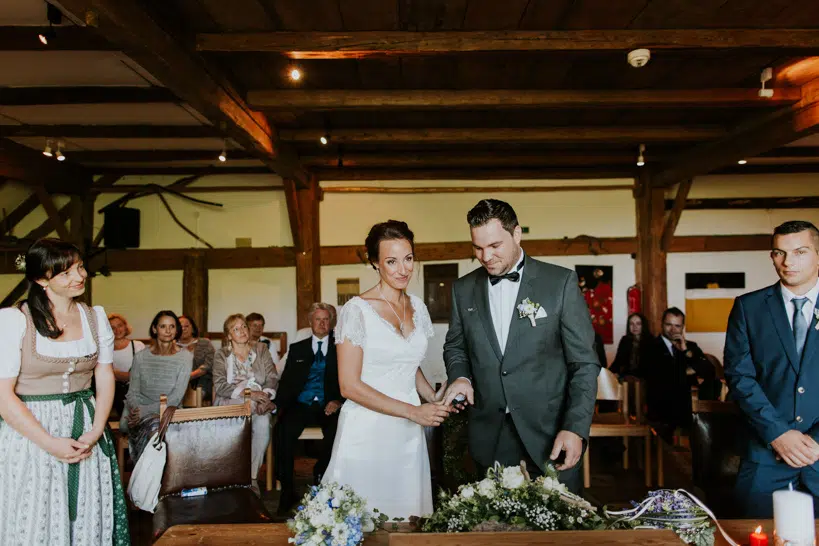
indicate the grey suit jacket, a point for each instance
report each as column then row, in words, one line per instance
column 547, row 375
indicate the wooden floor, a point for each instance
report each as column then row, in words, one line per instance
column 611, row 485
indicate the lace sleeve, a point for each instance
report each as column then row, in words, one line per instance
column 424, row 322
column 350, row 325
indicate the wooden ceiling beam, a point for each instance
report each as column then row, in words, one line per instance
column 745, row 203
column 57, row 224
column 35, row 96
column 461, row 159
column 603, row 134
column 128, row 25
column 138, row 156
column 335, row 45
column 110, row 131
column 21, row 163
column 474, row 174
column 20, row 211
column 475, row 189
column 339, row 99
column 176, row 170
column 67, row 38
column 673, row 219
column 748, row 140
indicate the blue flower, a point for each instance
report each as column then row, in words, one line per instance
column 300, row 508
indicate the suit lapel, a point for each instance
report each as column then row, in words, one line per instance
column 519, row 325
column 810, row 341
column 485, row 315
column 780, row 319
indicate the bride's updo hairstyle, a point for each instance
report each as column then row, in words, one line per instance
column 45, row 259
column 386, row 231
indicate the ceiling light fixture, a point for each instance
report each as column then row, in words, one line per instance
column 55, row 17
column 324, row 139
column 60, row 155
column 47, row 150
column 295, row 74
column 766, row 76
column 742, row 161
column 223, row 154
column 638, row 58
column 641, row 160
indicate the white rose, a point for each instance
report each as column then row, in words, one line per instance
column 468, row 492
column 322, row 497
column 512, row 477
column 367, row 525
column 335, row 502
column 486, row 488
column 341, row 495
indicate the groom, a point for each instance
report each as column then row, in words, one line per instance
column 530, row 375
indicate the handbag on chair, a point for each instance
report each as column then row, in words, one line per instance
column 146, row 479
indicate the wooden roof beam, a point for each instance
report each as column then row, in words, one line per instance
column 605, row 134
column 747, row 140
column 334, row 45
column 110, row 131
column 137, row 156
column 35, row 96
column 336, row 99
column 19, row 162
column 128, row 25
column 475, row 174
column 67, row 38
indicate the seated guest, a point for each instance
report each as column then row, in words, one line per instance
column 256, row 322
column 124, row 351
column 304, row 333
column 675, row 366
column 163, row 368
column 308, row 395
column 241, row 365
column 633, row 347
column 203, row 353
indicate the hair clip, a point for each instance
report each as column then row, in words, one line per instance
column 20, row 262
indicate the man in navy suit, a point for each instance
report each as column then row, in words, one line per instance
column 772, row 368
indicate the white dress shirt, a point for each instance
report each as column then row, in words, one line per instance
column 324, row 344
column 669, row 345
column 807, row 309
column 503, row 302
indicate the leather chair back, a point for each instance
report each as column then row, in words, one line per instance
column 208, row 447
column 716, row 447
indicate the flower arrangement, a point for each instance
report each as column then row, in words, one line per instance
column 677, row 510
column 507, row 499
column 332, row 515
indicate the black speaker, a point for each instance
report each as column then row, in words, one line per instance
column 121, row 228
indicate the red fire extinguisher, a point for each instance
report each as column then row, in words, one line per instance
column 635, row 299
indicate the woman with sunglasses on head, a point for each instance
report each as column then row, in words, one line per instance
column 59, row 481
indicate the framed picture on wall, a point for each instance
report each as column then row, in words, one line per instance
column 596, row 285
column 346, row 290
column 709, row 298
column 438, row 279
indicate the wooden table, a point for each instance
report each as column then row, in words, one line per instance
column 277, row 535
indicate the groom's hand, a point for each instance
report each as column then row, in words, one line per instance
column 572, row 444
column 459, row 386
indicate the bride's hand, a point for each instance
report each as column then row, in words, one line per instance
column 439, row 396
column 429, row 415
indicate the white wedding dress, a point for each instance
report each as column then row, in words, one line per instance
column 384, row 458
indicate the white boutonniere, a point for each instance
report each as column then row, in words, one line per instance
column 816, row 314
column 531, row 310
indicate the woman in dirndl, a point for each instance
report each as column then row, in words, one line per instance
column 59, row 482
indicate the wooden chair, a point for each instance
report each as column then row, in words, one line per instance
column 208, row 447
column 609, row 388
column 193, row 398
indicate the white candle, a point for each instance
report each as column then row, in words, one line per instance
column 793, row 516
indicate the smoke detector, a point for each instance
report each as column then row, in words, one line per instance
column 639, row 57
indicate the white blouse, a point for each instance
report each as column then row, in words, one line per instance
column 124, row 358
column 13, row 329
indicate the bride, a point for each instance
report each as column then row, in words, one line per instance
column 380, row 450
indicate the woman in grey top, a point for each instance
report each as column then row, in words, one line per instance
column 164, row 368
column 241, row 365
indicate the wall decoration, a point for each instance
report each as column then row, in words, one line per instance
column 596, row 285
column 709, row 298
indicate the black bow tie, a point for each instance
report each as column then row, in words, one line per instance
column 513, row 276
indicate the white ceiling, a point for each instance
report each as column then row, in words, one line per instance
column 70, row 68
column 22, row 13
column 99, row 114
column 812, row 140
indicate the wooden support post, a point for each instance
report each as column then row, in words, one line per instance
column 16, row 293
column 195, row 289
column 651, row 258
column 303, row 209
column 82, row 231
column 676, row 212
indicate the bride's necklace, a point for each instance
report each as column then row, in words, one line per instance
column 403, row 310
